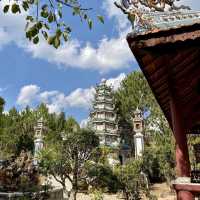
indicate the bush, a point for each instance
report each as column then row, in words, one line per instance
column 97, row 195
column 102, row 176
column 130, row 179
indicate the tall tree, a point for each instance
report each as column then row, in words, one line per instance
column 2, row 104
column 135, row 92
column 158, row 157
column 65, row 159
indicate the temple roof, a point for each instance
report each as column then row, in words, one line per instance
column 169, row 56
column 162, row 21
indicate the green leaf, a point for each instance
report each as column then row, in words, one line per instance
column 44, row 14
column 25, row 5
column 50, row 40
column 39, row 25
column 58, row 33
column 60, row 5
column 6, row 8
column 101, row 19
column 51, row 18
column 36, row 40
column 15, row 8
column 34, row 31
column 30, row 18
column 56, row 42
column 76, row 11
column 65, row 36
column 30, row 1
column 68, row 29
column 28, row 35
column 36, row 2
column 85, row 16
column 90, row 24
column 60, row 14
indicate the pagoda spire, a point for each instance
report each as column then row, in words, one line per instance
column 103, row 116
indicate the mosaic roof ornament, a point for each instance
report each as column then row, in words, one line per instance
column 150, row 16
column 156, row 5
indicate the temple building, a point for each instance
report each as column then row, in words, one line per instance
column 166, row 46
column 103, row 116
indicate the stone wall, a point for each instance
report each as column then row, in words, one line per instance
column 55, row 194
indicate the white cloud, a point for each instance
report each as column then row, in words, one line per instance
column 110, row 53
column 81, row 97
column 116, row 82
column 11, row 27
column 28, row 94
column 122, row 23
column 84, row 123
column 3, row 89
column 57, row 101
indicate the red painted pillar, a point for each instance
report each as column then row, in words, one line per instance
column 182, row 155
column 184, row 195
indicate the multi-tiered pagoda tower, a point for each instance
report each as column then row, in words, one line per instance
column 103, row 116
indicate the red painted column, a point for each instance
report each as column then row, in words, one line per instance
column 182, row 155
column 184, row 195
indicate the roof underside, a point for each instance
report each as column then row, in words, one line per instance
column 170, row 60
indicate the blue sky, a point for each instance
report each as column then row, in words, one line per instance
column 64, row 78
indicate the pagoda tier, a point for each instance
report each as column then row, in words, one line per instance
column 103, row 116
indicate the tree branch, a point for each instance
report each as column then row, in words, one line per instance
column 71, row 6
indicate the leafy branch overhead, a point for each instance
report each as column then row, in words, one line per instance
column 46, row 18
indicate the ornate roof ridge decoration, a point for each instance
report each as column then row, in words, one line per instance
column 150, row 19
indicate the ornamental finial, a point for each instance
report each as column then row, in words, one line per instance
column 136, row 9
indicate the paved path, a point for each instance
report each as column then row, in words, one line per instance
column 161, row 190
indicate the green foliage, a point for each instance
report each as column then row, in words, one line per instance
column 130, row 178
column 24, row 142
column 97, row 195
column 66, row 158
column 159, row 150
column 159, row 158
column 46, row 18
column 17, row 129
column 102, row 176
column 2, row 104
column 135, row 92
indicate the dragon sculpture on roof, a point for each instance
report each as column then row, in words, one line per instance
column 157, row 5
column 135, row 9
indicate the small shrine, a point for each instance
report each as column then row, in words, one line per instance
column 103, row 116
column 138, row 128
column 40, row 130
